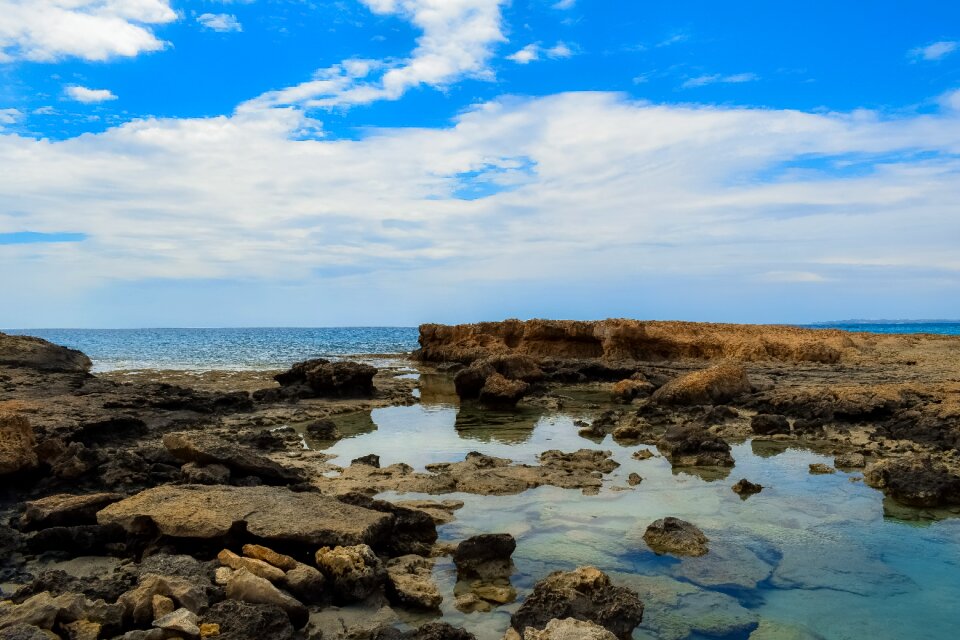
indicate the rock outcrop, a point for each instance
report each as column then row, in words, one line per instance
column 585, row 594
column 17, row 443
column 320, row 378
column 268, row 513
column 354, row 571
column 715, row 385
column 36, row 353
column 694, row 446
column 410, row 582
column 916, row 481
column 206, row 449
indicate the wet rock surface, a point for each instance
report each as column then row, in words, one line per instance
column 919, row 481
column 676, row 537
column 320, row 378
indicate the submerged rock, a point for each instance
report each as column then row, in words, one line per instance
column 568, row 629
column 583, row 594
column 677, row 537
column 916, row 481
column 269, row 513
column 715, row 385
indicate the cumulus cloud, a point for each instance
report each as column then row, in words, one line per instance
column 580, row 191
column 934, row 51
column 10, row 116
column 533, row 51
column 89, row 96
column 564, row 4
column 222, row 22
column 457, row 41
column 704, row 80
column 50, row 30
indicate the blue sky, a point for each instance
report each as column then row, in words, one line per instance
column 285, row 162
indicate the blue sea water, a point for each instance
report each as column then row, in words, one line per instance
column 277, row 347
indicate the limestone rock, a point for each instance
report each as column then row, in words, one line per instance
column 715, row 385
column 818, row 468
column 65, row 510
column 583, row 594
column 915, row 480
column 257, row 567
column 196, row 473
column 138, row 602
column 259, row 552
column 17, row 444
column 569, row 629
column 321, row 379
column 181, row 621
column 692, row 445
column 270, row 513
column 486, row 555
column 82, row 630
column 325, row 429
column 252, row 589
column 745, row 488
column 245, row 621
column 207, row 449
column 410, row 582
column 499, row 392
column 41, row 355
column 627, row 390
column 768, row 424
column 634, row 479
column 306, row 583
column 851, row 460
column 677, row 537
column 162, row 606
column 354, row 571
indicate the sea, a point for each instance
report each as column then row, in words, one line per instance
column 262, row 348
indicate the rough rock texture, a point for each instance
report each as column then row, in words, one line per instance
column 620, row 339
column 715, row 385
column 569, row 629
column 584, row 594
column 246, row 587
column 17, row 443
column 354, row 571
column 485, row 555
column 306, row 583
column 850, row 460
column 62, row 510
column 321, row 378
column 767, row 424
column 627, row 390
column 677, row 537
column 207, row 449
column 413, row 531
column 270, row 513
column 917, row 481
column 246, row 621
column 137, row 603
column 410, row 582
column 257, row 567
column 279, row 560
column 818, row 468
column 36, row 353
column 499, row 392
column 692, row 445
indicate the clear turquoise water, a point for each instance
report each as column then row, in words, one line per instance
column 815, row 556
column 273, row 348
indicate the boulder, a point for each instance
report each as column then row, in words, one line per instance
column 486, row 555
column 627, row 390
column 569, row 629
column 306, row 583
column 36, row 353
column 64, row 510
column 320, row 378
column 413, row 532
column 584, row 594
column 207, row 449
column 17, row 444
column 915, row 480
column 245, row 621
column 852, row 460
column 181, row 621
column 768, row 424
column 354, row 572
column 745, row 488
column 371, row 460
column 247, row 587
column 257, row 567
column 692, row 445
column 718, row 384
column 499, row 392
column 325, row 429
column 410, row 582
column 677, row 537
column 138, row 602
column 269, row 513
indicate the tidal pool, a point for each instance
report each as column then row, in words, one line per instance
column 812, row 556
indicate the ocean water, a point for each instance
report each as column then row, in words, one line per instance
column 277, row 348
column 810, row 557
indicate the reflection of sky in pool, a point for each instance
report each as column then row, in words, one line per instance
column 809, row 557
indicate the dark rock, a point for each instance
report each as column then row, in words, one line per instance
column 438, row 631
column 916, row 481
column 244, row 621
column 35, row 353
column 321, row 378
column 59, row 582
column 323, row 430
column 17, row 443
column 196, row 473
column 414, row 531
column 677, row 537
column 499, row 392
column 691, row 445
column 719, row 414
column 768, row 424
column 371, row 460
column 745, row 488
column 87, row 539
column 23, row 632
column 584, row 594
column 65, row 510
column 355, row 572
column 486, row 555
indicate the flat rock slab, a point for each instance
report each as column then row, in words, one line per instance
column 270, row 513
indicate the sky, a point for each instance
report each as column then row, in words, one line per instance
column 392, row 162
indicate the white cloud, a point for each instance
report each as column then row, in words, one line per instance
column 457, row 41
column 582, row 190
column 564, row 4
column 49, row 30
column 9, row 116
column 223, row 22
column 702, row 81
column 934, row 51
column 89, row 96
column 532, row 52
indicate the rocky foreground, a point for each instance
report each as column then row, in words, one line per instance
column 205, row 516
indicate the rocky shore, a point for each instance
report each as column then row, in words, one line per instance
column 196, row 510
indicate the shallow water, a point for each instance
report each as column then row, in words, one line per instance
column 811, row 556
